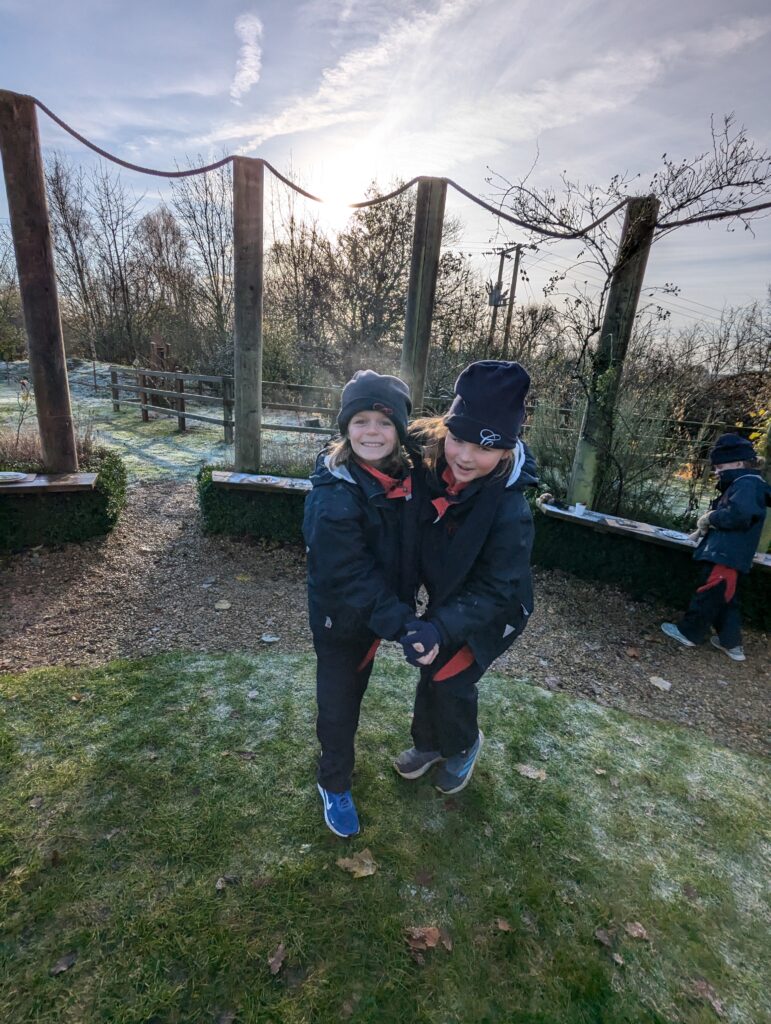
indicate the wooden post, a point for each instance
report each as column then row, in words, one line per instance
column 765, row 536
column 496, row 296
column 590, row 463
column 227, row 409
column 510, row 310
column 142, row 382
column 426, row 246
column 30, row 227
column 115, row 389
column 248, row 193
column 181, row 404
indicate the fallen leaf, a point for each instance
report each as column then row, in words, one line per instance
column 222, row 606
column 245, row 755
column 660, row 684
column 632, row 652
column 76, row 698
column 36, row 803
column 636, row 931
column 422, row 938
column 603, row 935
column 503, row 925
column 112, row 834
column 617, row 959
column 488, row 831
column 600, row 771
column 224, row 881
column 689, row 892
column 63, row 965
column 253, row 694
column 269, row 638
column 244, row 577
column 531, row 773
column 446, row 939
column 261, row 882
column 424, row 878
column 275, row 961
column 360, row 865
column 227, row 1017
column 703, row 990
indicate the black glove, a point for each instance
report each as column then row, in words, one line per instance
column 419, row 631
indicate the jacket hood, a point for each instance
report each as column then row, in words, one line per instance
column 524, row 472
column 325, row 474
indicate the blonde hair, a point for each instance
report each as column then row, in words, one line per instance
column 340, row 453
column 430, row 432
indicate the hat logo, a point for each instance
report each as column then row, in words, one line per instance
column 379, row 407
column 487, row 438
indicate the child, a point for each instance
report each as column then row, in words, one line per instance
column 731, row 531
column 362, row 564
column 476, row 534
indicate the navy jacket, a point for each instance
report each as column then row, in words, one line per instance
column 475, row 561
column 362, row 555
column 736, row 520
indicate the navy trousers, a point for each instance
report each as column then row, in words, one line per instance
column 445, row 713
column 342, row 675
column 709, row 608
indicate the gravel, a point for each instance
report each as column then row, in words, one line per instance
column 152, row 586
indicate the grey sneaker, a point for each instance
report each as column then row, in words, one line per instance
column 413, row 763
column 734, row 653
column 455, row 774
column 671, row 630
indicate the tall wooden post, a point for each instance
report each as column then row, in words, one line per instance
column 248, row 193
column 426, row 245
column 765, row 536
column 510, row 310
column 594, row 443
column 25, row 186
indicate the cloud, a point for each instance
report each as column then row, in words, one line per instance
column 249, row 31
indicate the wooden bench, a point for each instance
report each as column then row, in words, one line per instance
column 604, row 523
column 52, row 483
column 261, row 482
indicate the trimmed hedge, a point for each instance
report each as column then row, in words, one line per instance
column 71, row 516
column 245, row 513
column 646, row 571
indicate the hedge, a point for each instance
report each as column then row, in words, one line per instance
column 71, row 516
column 647, row 572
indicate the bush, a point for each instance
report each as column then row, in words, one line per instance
column 646, row 571
column 27, row 520
column 245, row 513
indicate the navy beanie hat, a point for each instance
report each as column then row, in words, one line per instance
column 731, row 448
column 489, row 404
column 370, row 391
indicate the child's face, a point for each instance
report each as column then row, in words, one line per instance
column 373, row 436
column 469, row 461
column 717, row 470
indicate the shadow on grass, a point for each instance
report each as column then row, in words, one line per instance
column 152, row 780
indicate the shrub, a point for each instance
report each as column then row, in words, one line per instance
column 245, row 513
column 27, row 520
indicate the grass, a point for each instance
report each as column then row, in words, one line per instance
column 147, row 793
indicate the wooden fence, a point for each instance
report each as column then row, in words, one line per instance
column 169, row 392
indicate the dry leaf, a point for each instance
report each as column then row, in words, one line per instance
column 503, row 925
column 222, row 606
column 36, row 802
column 600, row 771
column 632, row 652
column 603, row 936
column 360, row 865
column 245, row 755
column 269, row 638
column 531, row 773
column 636, row 931
column 63, row 965
column 227, row 1017
column 76, row 698
column 660, row 684
column 446, row 939
column 224, row 881
column 424, row 878
column 422, row 938
column 253, row 694
column 275, row 961
column 703, row 990
column 689, row 892
column 244, row 577
column 112, row 834
column 618, row 959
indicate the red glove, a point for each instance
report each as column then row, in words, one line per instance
column 720, row 574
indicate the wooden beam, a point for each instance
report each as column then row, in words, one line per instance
column 31, row 230
column 248, row 196
column 426, row 246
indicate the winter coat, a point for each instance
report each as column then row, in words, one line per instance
column 362, row 557
column 736, row 520
column 475, row 561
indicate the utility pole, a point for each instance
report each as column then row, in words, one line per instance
column 512, row 292
column 497, row 293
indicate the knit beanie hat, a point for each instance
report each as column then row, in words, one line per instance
column 368, row 390
column 731, row 448
column 489, row 407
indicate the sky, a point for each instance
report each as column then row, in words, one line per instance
column 338, row 93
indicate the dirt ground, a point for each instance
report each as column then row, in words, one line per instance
column 153, row 584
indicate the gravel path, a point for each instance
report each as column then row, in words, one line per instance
column 152, row 586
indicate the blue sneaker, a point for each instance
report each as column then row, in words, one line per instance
column 456, row 772
column 339, row 812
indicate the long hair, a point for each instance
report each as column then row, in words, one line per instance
column 430, row 432
column 341, row 453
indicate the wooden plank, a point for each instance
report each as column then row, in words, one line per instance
column 646, row 532
column 188, row 415
column 209, row 399
column 171, row 374
column 261, row 482
column 51, row 483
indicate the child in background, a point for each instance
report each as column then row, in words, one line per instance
column 731, row 531
column 362, row 563
column 476, row 535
